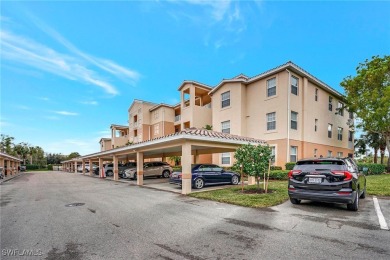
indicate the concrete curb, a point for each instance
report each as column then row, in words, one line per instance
column 12, row 177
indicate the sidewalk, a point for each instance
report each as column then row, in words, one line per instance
column 10, row 177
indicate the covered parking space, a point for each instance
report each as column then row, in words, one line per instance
column 188, row 143
column 9, row 165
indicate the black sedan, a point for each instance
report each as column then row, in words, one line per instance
column 334, row 180
column 207, row 174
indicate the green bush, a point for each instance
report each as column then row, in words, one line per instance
column 290, row 165
column 373, row 168
column 278, row 175
column 276, row 168
column 32, row 167
column 50, row 167
column 176, row 168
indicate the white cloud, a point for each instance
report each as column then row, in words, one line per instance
column 76, row 65
column 22, row 107
column 5, row 123
column 44, row 98
column 90, row 102
column 52, row 117
column 67, row 146
column 66, row 113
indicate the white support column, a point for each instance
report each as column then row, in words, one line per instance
column 75, row 166
column 101, row 170
column 140, row 168
column 83, row 166
column 115, row 163
column 186, row 158
column 9, row 171
column 90, row 168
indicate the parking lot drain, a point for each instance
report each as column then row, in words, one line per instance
column 74, row 204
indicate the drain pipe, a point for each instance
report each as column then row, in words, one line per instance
column 288, row 116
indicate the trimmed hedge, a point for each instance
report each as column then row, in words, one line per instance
column 373, row 168
column 290, row 165
column 278, row 175
column 50, row 167
column 276, row 168
column 32, row 167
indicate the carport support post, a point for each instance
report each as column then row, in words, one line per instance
column 9, row 172
column 2, row 164
column 75, row 166
column 186, row 159
column 90, row 168
column 83, row 165
column 115, row 162
column 140, row 168
column 101, row 167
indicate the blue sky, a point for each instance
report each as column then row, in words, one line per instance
column 70, row 69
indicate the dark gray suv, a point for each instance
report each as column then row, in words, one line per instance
column 335, row 180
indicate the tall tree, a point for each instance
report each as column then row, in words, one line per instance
column 368, row 96
column 6, row 144
column 73, row 155
column 22, row 149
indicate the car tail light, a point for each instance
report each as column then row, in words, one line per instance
column 179, row 176
column 293, row 172
column 347, row 175
column 343, row 192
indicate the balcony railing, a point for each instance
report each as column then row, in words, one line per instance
column 177, row 118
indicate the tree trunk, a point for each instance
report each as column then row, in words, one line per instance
column 375, row 155
column 382, row 155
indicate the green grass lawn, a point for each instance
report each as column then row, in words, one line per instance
column 378, row 185
column 234, row 196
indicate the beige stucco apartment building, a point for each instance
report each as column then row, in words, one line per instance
column 297, row 114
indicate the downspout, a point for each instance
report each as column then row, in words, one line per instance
column 288, row 116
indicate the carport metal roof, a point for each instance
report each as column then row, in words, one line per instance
column 202, row 141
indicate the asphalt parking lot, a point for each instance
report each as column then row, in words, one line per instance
column 116, row 220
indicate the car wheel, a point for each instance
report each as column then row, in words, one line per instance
column 135, row 176
column 199, row 183
column 295, row 201
column 355, row 205
column 235, row 180
column 165, row 174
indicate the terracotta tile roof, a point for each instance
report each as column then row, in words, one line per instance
column 208, row 133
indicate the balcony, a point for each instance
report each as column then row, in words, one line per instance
column 177, row 118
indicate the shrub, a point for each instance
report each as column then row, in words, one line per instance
column 278, row 175
column 290, row 165
column 32, row 167
column 176, row 168
column 276, row 168
column 373, row 168
column 50, row 167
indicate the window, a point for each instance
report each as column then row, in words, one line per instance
column 316, row 95
column 157, row 129
column 135, row 133
column 350, row 115
column 271, row 121
column 293, row 153
column 330, row 130
column 156, row 114
column 225, row 158
column 315, row 152
column 315, row 125
column 271, row 87
column 330, row 103
column 340, row 108
column 294, row 85
column 225, row 99
column 329, row 153
column 350, row 136
column 273, row 154
column 339, row 133
column 340, row 154
column 225, row 126
column 294, row 120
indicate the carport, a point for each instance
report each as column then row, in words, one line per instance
column 10, row 163
column 188, row 143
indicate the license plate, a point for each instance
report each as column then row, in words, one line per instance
column 315, row 180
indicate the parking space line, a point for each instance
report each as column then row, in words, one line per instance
column 382, row 221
